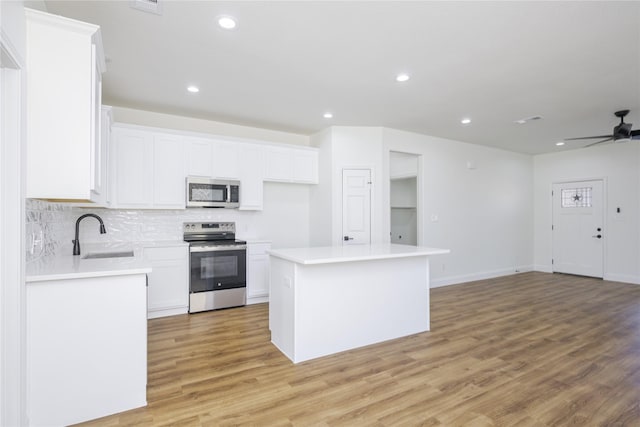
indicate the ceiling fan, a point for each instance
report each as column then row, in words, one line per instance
column 621, row 133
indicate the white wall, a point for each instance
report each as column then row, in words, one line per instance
column 484, row 214
column 321, row 195
column 12, row 176
column 618, row 165
column 345, row 147
column 168, row 121
column 354, row 148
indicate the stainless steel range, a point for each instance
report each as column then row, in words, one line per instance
column 218, row 266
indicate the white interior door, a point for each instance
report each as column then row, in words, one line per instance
column 578, row 228
column 356, row 206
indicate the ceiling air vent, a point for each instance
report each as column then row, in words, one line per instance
column 527, row 119
column 150, row 6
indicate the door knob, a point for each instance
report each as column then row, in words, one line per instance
column 598, row 236
column 346, row 238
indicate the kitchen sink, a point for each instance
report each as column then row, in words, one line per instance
column 118, row 254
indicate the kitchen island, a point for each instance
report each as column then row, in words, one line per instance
column 324, row 300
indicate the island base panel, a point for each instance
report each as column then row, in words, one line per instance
column 321, row 309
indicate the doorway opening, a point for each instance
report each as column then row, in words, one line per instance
column 403, row 198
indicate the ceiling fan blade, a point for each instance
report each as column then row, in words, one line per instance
column 599, row 142
column 635, row 134
column 588, row 137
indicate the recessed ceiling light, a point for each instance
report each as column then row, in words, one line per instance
column 193, row 89
column 402, row 77
column 226, row 22
column 559, row 143
column 465, row 121
column 327, row 115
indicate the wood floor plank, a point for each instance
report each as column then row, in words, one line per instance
column 532, row 349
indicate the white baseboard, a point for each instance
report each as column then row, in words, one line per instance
column 625, row 278
column 545, row 268
column 455, row 280
column 257, row 300
column 164, row 312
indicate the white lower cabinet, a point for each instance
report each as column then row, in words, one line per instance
column 86, row 348
column 257, row 272
column 168, row 288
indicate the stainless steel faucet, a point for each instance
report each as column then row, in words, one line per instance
column 76, row 241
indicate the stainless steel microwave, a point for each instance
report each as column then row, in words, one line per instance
column 212, row 193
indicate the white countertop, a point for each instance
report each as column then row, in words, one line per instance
column 68, row 266
column 350, row 253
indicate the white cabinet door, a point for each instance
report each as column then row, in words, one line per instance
column 168, row 292
column 65, row 63
column 257, row 272
column 296, row 165
column 225, row 160
column 251, row 180
column 168, row 172
column 101, row 163
column 87, row 341
column 133, row 168
column 199, row 157
column 279, row 164
column 305, row 166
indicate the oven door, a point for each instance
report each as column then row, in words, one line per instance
column 215, row 268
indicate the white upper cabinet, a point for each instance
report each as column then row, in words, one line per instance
column 251, row 176
column 148, row 166
column 65, row 63
column 132, row 182
column 279, row 164
column 168, row 172
column 101, row 170
column 226, row 160
column 296, row 165
column 149, row 170
column 199, row 156
column 305, row 166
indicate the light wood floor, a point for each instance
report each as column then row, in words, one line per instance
column 533, row 349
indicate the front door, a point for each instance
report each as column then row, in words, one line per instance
column 356, row 206
column 578, row 229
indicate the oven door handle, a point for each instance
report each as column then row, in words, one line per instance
column 238, row 248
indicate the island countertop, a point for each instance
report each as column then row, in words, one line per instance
column 350, row 253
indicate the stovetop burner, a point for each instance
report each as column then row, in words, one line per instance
column 219, row 232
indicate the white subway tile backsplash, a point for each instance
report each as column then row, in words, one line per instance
column 284, row 221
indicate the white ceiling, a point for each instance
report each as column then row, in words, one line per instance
column 286, row 63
